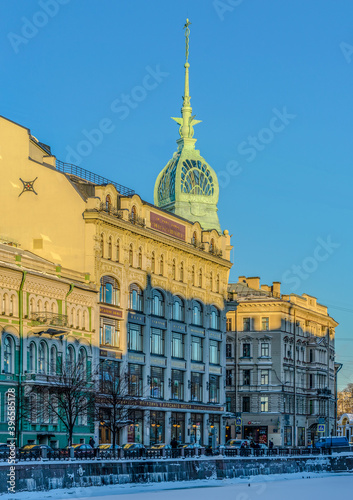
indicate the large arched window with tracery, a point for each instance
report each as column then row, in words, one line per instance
column 109, row 291
column 135, row 297
column 178, row 309
column 70, row 358
column 197, row 313
column 32, row 358
column 215, row 318
column 42, row 358
column 157, row 303
column 9, row 354
column 82, row 363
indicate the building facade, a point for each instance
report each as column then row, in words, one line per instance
column 48, row 316
column 162, row 278
column 280, row 373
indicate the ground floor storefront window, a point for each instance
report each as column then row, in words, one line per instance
column 257, row 434
column 157, row 427
column 301, row 436
column 196, row 431
column 178, row 426
column 288, row 435
column 135, row 429
column 213, row 430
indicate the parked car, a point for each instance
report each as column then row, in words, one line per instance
column 134, row 449
column 332, row 442
column 35, row 450
column 83, row 449
column 160, row 446
column 4, row 450
column 237, row 443
column 108, row 446
column 189, row 446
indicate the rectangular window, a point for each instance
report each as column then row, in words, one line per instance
column 311, row 380
column 228, row 404
column 196, row 386
column 135, row 380
column 246, row 404
column 157, row 341
column 177, row 381
column 246, row 377
column 265, row 324
column 246, row 324
column 228, row 350
column 135, row 338
column 157, row 382
column 301, row 436
column 246, row 350
column 265, row 349
column 264, row 403
column 177, row 345
column 265, row 377
column 196, row 349
column 214, row 352
column 229, row 325
column 214, row 389
column 109, row 332
column 229, row 377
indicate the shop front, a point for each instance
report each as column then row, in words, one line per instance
column 157, row 427
column 178, row 426
column 257, row 434
column 196, row 430
column 214, row 427
column 135, row 429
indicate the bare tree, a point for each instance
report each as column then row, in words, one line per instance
column 69, row 396
column 116, row 402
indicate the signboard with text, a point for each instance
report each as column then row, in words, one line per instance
column 167, row 226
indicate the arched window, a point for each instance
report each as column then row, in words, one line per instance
column 109, row 291
column 70, row 358
column 40, row 306
column 102, row 245
column 32, row 358
column 212, row 248
column 42, row 358
column 200, row 278
column 9, row 351
column 12, row 306
column 193, row 275
column 5, row 301
column 53, row 356
column 178, row 309
column 84, row 320
column 82, row 363
column 153, row 263
column 72, row 314
column 117, row 256
column 182, row 272
column 32, row 306
column 53, row 308
column 131, row 255
column 110, row 248
column 197, row 313
column 108, row 203
column 133, row 214
column 161, row 269
column 217, row 284
column 194, row 239
column 215, row 318
column 140, row 258
column 157, row 303
column 78, row 318
column 46, row 306
column 174, row 270
column 135, row 298
column 211, row 281
column 33, row 407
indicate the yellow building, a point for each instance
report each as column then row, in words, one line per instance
column 280, row 364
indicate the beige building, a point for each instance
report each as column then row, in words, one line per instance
column 280, row 365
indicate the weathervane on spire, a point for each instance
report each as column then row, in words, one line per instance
column 187, row 34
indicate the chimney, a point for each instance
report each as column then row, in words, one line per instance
column 276, row 288
column 253, row 283
column 241, row 279
column 265, row 288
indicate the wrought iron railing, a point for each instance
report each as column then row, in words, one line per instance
column 135, row 219
column 111, row 211
column 49, row 318
column 69, row 168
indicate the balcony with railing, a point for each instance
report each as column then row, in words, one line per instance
column 48, row 322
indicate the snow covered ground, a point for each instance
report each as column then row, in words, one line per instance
column 298, row 486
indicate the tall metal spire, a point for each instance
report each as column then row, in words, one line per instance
column 187, row 121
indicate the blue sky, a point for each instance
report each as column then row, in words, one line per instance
column 272, row 83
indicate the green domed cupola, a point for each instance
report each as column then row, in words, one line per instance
column 188, row 186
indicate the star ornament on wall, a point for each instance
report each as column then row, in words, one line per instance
column 28, row 186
